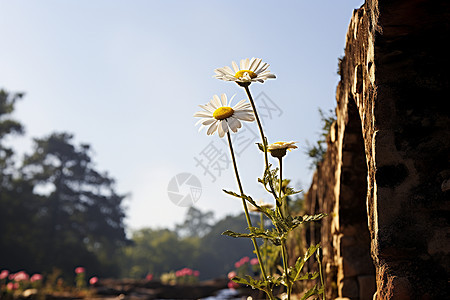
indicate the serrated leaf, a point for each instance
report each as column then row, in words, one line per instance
column 275, row 280
column 237, row 235
column 313, row 291
column 307, row 218
column 290, row 191
column 294, row 274
column 256, row 232
column 232, row 193
column 309, row 276
column 248, row 280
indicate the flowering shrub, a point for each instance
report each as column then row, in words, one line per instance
column 93, row 280
column 182, row 276
column 4, row 274
column 13, row 284
column 149, row 277
column 80, row 278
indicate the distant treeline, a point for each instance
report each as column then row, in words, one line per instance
column 58, row 211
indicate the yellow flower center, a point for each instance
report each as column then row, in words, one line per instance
column 223, row 113
column 241, row 73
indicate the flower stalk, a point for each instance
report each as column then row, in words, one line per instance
column 283, row 242
column 247, row 216
column 263, row 138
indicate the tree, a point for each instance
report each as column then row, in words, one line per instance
column 196, row 223
column 158, row 251
column 15, row 214
column 81, row 214
column 8, row 126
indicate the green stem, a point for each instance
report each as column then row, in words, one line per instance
column 283, row 242
column 280, row 192
column 321, row 278
column 261, row 226
column 249, row 222
column 285, row 267
column 263, row 138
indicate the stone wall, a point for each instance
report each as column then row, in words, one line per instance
column 385, row 181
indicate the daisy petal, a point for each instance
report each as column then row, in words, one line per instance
column 212, row 128
column 203, row 114
column 235, row 67
column 223, row 97
column 216, row 101
column 234, row 124
column 207, row 122
column 207, row 108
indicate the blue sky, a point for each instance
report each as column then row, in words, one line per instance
column 127, row 76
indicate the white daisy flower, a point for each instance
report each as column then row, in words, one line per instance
column 278, row 149
column 220, row 116
column 249, row 71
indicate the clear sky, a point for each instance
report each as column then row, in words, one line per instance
column 126, row 77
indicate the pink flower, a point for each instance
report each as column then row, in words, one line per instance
column 21, row 276
column 232, row 285
column 4, row 274
column 12, row 286
column 231, row 275
column 254, row 261
column 93, row 280
column 79, row 270
column 245, row 259
column 196, row 273
column 36, row 277
column 237, row 264
column 149, row 277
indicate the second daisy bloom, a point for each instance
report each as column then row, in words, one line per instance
column 248, row 71
column 220, row 116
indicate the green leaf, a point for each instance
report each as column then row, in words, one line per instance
column 260, row 147
column 279, row 280
column 307, row 218
column 294, row 272
column 243, row 196
column 248, row 280
column 267, row 211
column 256, row 232
column 238, row 235
column 309, row 276
column 313, row 291
column 290, row 191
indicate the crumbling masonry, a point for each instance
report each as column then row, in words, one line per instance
column 385, row 181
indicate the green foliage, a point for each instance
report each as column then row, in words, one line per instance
column 56, row 209
column 159, row 251
column 196, row 223
column 294, row 272
column 283, row 224
column 80, row 210
column 8, row 126
column 254, row 283
column 317, row 152
column 314, row 291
